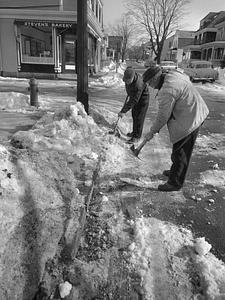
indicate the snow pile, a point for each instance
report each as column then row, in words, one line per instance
column 12, row 79
column 64, row 289
column 12, row 100
column 212, row 143
column 109, row 80
column 61, row 131
column 121, row 68
column 213, row 177
column 39, row 204
column 8, row 181
column 202, row 247
column 218, row 88
column 72, row 131
column 110, row 67
column 164, row 256
column 155, row 242
column 113, row 78
column 212, row 273
column 113, row 66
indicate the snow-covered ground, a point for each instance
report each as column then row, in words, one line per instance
column 43, row 176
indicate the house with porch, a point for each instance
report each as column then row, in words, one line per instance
column 209, row 40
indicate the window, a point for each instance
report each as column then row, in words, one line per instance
column 218, row 53
column 96, row 9
column 100, row 14
column 93, row 5
column 36, row 45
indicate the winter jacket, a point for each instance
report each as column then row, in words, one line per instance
column 180, row 106
column 138, row 93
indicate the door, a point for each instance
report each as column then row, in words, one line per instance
column 69, row 55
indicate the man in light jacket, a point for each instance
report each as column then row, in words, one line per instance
column 183, row 110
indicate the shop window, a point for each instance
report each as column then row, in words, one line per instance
column 36, row 45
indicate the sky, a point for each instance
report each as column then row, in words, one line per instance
column 197, row 9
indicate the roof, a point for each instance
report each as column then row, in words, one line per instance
column 185, row 33
column 211, row 19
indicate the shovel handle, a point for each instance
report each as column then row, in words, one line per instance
column 141, row 145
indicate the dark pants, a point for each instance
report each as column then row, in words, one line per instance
column 138, row 114
column 181, row 154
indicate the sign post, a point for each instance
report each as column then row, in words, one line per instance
column 82, row 54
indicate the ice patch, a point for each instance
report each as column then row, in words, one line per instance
column 213, row 177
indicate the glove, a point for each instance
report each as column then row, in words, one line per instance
column 149, row 136
column 120, row 114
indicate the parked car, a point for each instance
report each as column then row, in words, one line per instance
column 168, row 65
column 201, row 70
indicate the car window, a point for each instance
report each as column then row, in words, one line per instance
column 200, row 66
column 167, row 64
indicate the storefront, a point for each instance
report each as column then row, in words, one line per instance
column 45, row 41
column 46, row 46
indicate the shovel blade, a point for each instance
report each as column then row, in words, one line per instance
column 135, row 151
column 111, row 132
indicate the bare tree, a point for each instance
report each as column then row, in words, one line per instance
column 159, row 18
column 124, row 27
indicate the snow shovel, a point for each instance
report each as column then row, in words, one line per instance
column 137, row 150
column 115, row 131
column 115, row 127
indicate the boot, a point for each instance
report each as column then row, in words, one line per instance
column 167, row 187
column 133, row 140
column 166, row 173
column 130, row 134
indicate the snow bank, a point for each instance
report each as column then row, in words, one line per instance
column 211, row 143
column 72, row 131
column 215, row 87
column 109, row 80
column 213, row 177
column 202, row 247
column 161, row 249
column 12, row 100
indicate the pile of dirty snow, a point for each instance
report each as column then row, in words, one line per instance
column 168, row 260
column 73, row 132
column 13, row 101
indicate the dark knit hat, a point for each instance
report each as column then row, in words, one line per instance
column 150, row 73
column 129, row 73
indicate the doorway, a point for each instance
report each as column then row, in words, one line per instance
column 69, row 54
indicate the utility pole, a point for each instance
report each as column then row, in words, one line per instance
column 82, row 54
